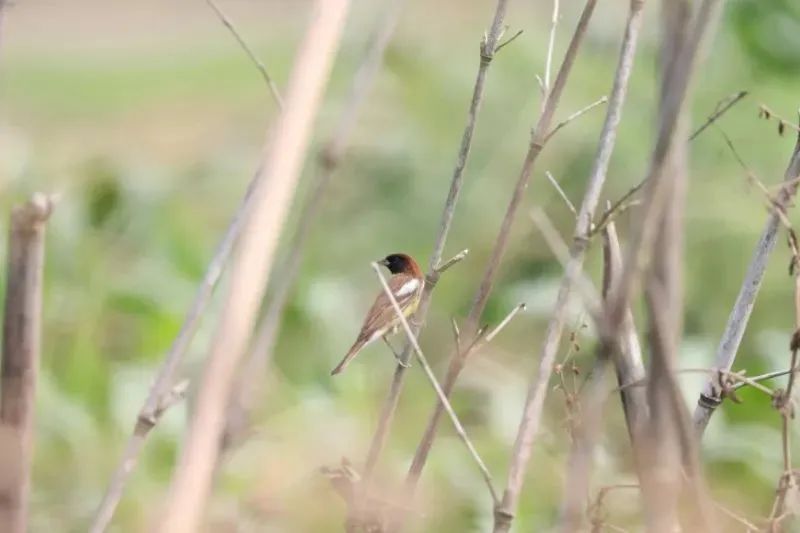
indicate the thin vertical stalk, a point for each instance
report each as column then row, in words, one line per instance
column 281, row 164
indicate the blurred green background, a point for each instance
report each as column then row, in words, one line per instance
column 148, row 120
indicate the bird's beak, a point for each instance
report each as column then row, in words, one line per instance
column 383, row 262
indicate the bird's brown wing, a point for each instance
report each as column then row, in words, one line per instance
column 382, row 314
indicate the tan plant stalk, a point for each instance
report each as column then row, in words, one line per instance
column 282, row 160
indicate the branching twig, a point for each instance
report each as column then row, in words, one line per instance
column 22, row 325
column 740, row 314
column 619, row 205
column 534, row 402
column 483, row 291
column 250, row 272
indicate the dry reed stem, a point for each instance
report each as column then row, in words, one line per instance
column 534, row 402
column 282, row 159
column 484, row 289
column 488, row 50
column 661, row 476
column 164, row 393
column 732, row 336
column 251, row 377
column 22, row 325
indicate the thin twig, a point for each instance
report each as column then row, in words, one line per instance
column 488, row 50
column 551, row 44
column 251, row 376
column 783, row 400
column 444, row 267
column 561, row 193
column 751, row 528
column 508, row 41
column 766, row 113
column 483, row 291
column 483, row 338
column 576, row 114
column 250, row 271
column 462, row 434
column 22, row 326
column 727, row 382
column 276, row 95
column 723, row 106
column 765, row 377
column 617, row 206
column 534, row 401
column 503, row 323
column 772, row 202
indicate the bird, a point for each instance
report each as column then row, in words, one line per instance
column 406, row 284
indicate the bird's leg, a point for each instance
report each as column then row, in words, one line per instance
column 396, row 355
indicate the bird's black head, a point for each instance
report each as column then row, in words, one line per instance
column 400, row 264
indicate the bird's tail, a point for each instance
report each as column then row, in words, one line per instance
column 351, row 353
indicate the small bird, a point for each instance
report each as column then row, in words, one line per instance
column 406, row 285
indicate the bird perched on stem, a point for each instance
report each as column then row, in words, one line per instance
column 406, row 285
